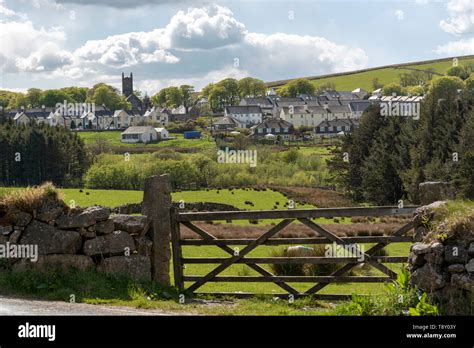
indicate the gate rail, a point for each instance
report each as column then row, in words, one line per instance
column 286, row 217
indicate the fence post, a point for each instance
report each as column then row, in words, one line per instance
column 157, row 208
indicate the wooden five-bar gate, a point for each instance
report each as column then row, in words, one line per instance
column 286, row 217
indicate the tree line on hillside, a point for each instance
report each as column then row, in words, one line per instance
column 386, row 158
column 100, row 94
column 33, row 154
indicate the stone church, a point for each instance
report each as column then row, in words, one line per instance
column 127, row 91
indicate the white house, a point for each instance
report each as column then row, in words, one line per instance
column 273, row 127
column 155, row 115
column 248, row 115
column 144, row 134
column 21, row 118
column 179, row 110
column 162, row 133
column 121, row 119
column 307, row 116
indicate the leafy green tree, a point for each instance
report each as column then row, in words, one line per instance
column 218, row 98
column 206, row 90
column 251, row 87
column 415, row 90
column 376, row 83
column 19, row 100
column 464, row 177
column 296, row 87
column 77, row 94
column 112, row 101
column 415, row 78
column 458, row 71
column 34, row 96
column 323, row 87
column 391, row 88
column 231, row 88
column 173, row 97
column 187, row 93
column 446, row 88
column 7, row 99
column 51, row 97
column 159, row 98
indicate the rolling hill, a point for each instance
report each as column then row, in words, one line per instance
column 348, row 81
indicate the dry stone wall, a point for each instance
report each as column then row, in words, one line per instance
column 79, row 239
column 443, row 268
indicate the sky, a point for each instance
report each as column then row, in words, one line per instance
column 58, row 43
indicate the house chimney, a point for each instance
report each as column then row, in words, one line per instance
column 43, row 108
column 22, row 108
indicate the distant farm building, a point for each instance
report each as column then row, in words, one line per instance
column 143, row 134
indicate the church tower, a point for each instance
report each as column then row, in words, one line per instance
column 127, row 85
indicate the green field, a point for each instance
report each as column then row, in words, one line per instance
column 396, row 249
column 113, row 139
column 350, row 81
column 262, row 200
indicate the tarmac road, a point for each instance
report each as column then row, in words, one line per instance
column 15, row 306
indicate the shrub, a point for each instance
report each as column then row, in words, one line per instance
column 31, row 198
column 304, row 269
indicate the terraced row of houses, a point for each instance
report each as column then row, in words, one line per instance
column 94, row 118
column 331, row 113
column 83, row 116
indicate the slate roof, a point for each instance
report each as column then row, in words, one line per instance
column 117, row 112
column 337, row 123
column 261, row 101
column 274, row 123
column 317, row 110
column 359, row 106
column 227, row 120
column 296, row 109
column 247, row 109
column 138, row 130
column 337, row 109
column 32, row 113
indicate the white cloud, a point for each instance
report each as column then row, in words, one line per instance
column 457, row 48
column 461, row 17
column 203, row 28
column 299, row 55
column 7, row 12
column 26, row 48
column 400, row 15
column 200, row 45
column 48, row 57
column 126, row 50
column 118, row 3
